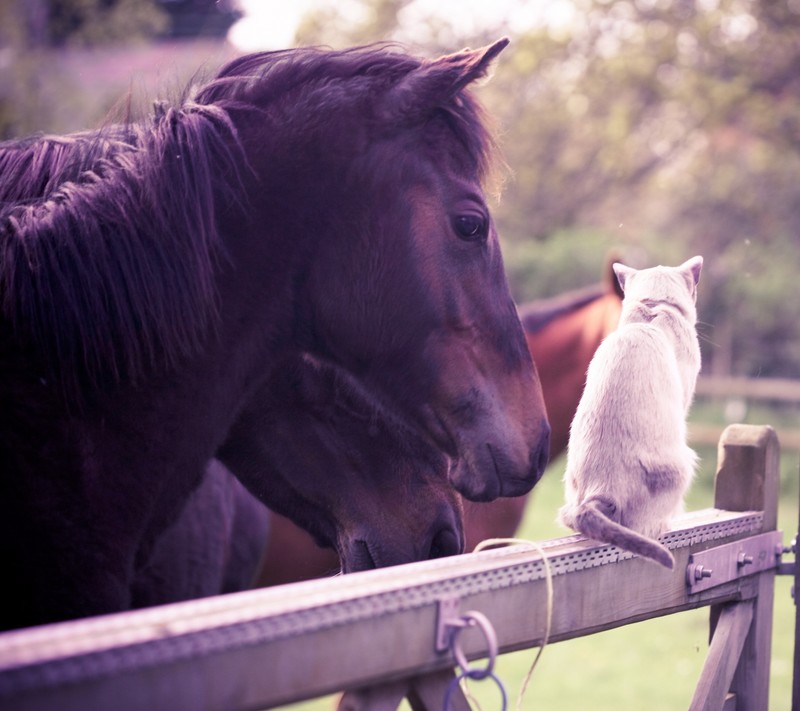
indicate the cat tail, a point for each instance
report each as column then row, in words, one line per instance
column 591, row 519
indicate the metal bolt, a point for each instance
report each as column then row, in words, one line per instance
column 744, row 560
column 697, row 572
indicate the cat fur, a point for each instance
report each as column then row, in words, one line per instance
column 628, row 464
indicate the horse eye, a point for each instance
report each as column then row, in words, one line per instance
column 471, row 227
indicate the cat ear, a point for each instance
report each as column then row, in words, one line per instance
column 693, row 267
column 623, row 273
column 610, row 280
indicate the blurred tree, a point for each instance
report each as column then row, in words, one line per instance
column 664, row 128
column 199, row 18
column 351, row 22
column 736, row 197
column 34, row 85
column 50, row 50
column 57, row 23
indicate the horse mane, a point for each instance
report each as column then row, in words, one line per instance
column 109, row 239
column 536, row 315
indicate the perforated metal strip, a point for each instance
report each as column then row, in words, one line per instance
column 96, row 648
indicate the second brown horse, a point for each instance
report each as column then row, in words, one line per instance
column 562, row 333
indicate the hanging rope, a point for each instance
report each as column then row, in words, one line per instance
column 491, row 542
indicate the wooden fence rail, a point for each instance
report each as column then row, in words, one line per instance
column 777, row 389
column 774, row 390
column 376, row 632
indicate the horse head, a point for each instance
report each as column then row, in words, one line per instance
column 340, row 468
column 398, row 279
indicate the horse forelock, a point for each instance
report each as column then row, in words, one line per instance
column 476, row 133
column 108, row 243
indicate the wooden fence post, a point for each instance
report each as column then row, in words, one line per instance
column 747, row 479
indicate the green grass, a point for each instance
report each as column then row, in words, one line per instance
column 651, row 665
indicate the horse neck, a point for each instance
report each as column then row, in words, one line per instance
column 562, row 351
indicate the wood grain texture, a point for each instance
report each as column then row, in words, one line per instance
column 748, row 478
column 275, row 646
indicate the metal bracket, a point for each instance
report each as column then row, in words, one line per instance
column 732, row 561
column 449, row 625
column 447, row 619
column 788, row 567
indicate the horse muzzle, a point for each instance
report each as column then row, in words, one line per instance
column 496, row 468
column 370, row 551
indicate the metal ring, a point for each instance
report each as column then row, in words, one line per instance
column 472, row 619
column 451, row 687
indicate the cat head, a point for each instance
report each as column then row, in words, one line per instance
column 670, row 286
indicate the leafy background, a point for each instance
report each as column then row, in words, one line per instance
column 656, row 129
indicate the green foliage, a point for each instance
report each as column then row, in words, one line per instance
column 666, row 127
column 97, row 22
column 35, row 87
column 569, row 260
column 352, row 22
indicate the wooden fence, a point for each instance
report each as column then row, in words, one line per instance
column 386, row 634
column 772, row 390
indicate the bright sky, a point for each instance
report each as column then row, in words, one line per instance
column 271, row 24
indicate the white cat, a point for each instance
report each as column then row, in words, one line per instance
column 628, row 464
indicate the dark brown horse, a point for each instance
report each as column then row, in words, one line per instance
column 323, row 427
column 153, row 277
column 214, row 545
column 562, row 334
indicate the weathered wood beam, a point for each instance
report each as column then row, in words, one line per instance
column 276, row 646
column 723, row 656
column 748, row 477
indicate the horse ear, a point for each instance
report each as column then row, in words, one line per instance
column 623, row 273
column 435, row 82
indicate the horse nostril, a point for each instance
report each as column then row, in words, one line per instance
column 444, row 543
